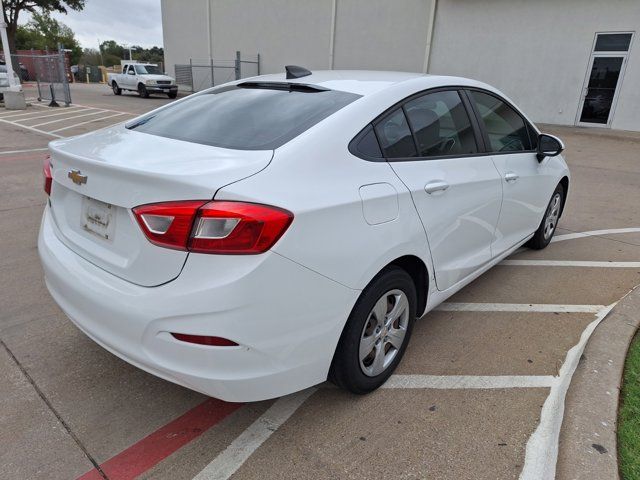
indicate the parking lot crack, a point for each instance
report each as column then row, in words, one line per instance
column 53, row 410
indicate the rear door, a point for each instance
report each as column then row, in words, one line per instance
column 525, row 181
column 433, row 145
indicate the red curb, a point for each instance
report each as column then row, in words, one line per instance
column 157, row 446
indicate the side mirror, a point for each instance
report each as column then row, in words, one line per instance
column 548, row 146
column 130, row 72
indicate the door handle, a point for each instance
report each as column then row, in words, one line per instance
column 511, row 177
column 436, row 186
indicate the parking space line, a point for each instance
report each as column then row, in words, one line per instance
column 89, row 121
column 25, row 151
column 232, row 458
column 30, row 128
column 111, row 110
column 518, row 307
column 157, row 446
column 453, row 382
column 28, row 115
column 541, row 454
column 593, row 233
column 98, row 112
column 570, row 263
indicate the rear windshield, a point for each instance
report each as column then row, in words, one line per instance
column 259, row 117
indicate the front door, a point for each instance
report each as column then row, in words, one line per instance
column 604, row 77
column 525, row 180
column 432, row 147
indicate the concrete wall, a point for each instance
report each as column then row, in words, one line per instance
column 283, row 31
column 184, row 29
column 367, row 34
column 381, row 34
column 537, row 52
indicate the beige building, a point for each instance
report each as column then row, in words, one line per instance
column 563, row 61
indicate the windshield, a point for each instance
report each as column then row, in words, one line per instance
column 148, row 69
column 245, row 118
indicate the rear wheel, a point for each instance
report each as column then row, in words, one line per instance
column 142, row 91
column 376, row 334
column 549, row 223
column 116, row 89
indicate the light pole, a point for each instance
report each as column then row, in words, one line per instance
column 13, row 86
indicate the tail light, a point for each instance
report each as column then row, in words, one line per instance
column 213, row 227
column 46, row 173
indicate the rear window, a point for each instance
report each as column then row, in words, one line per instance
column 259, row 117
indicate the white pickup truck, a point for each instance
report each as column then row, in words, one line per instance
column 144, row 78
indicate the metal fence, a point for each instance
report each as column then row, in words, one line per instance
column 200, row 74
column 50, row 73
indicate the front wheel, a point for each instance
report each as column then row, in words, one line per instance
column 549, row 223
column 142, row 91
column 172, row 94
column 376, row 334
column 116, row 90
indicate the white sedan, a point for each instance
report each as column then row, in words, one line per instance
column 269, row 234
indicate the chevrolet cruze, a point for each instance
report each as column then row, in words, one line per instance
column 266, row 235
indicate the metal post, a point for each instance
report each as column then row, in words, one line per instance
column 7, row 54
column 191, row 68
column 212, row 82
column 63, row 75
column 238, row 71
column 258, row 64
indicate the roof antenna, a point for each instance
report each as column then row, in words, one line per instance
column 294, row 71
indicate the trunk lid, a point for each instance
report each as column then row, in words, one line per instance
column 99, row 177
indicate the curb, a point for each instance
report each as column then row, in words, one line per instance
column 588, row 443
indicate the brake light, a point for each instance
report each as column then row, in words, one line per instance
column 218, row 227
column 46, row 173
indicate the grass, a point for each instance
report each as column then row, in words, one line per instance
column 629, row 415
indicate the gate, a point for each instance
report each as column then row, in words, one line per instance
column 200, row 74
column 51, row 75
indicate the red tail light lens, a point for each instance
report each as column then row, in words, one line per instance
column 218, row 227
column 46, row 173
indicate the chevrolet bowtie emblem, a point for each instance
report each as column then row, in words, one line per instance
column 77, row 177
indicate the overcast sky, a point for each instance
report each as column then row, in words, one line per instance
column 135, row 22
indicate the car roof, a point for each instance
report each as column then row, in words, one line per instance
column 367, row 82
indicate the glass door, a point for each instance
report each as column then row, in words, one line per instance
column 604, row 77
column 601, row 89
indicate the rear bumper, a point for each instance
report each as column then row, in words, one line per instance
column 286, row 319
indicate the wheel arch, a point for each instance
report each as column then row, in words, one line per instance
column 564, row 181
column 418, row 271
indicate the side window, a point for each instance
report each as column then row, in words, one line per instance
column 441, row 125
column 395, row 137
column 367, row 143
column 131, row 70
column 124, row 69
column 505, row 127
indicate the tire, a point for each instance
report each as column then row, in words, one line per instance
column 116, row 89
column 142, row 91
column 354, row 369
column 549, row 222
column 172, row 94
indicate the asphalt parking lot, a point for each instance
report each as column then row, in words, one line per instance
column 473, row 397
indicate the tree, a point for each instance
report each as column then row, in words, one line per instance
column 46, row 33
column 13, row 8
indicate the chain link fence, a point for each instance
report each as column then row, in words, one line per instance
column 201, row 74
column 50, row 73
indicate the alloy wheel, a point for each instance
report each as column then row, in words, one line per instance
column 384, row 332
column 553, row 213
